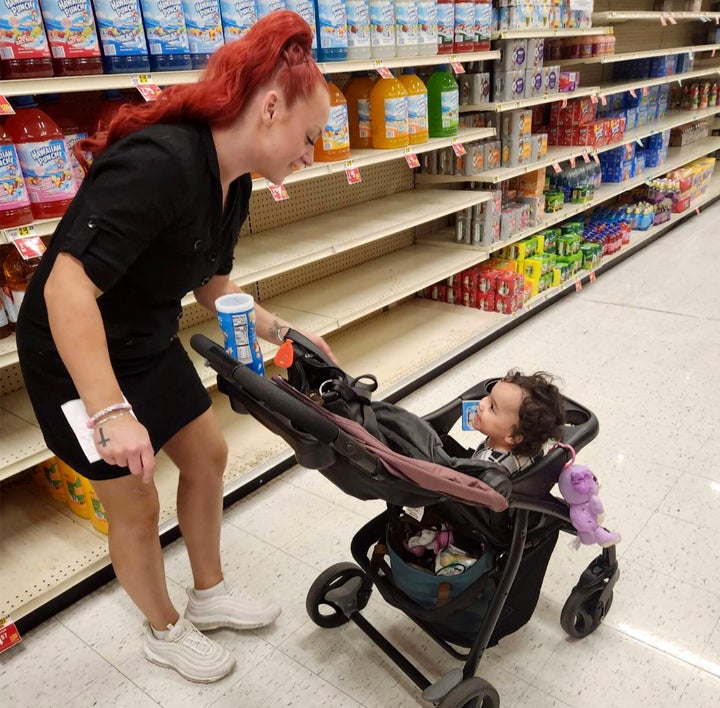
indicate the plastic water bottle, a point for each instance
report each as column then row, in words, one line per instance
column 122, row 37
column 204, row 29
column 406, row 28
column 331, row 30
column 358, row 29
column 427, row 27
column 73, row 38
column 238, row 16
column 166, row 34
column 382, row 29
column 24, row 49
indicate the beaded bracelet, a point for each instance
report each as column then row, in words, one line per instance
column 124, row 406
column 111, row 416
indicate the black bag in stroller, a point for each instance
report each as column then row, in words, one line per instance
column 375, row 450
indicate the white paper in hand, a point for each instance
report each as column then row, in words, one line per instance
column 77, row 417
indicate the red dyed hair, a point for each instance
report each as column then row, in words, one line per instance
column 276, row 49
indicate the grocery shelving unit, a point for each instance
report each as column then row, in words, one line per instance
column 338, row 259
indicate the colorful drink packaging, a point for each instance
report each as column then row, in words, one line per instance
column 44, row 159
column 389, row 114
column 238, row 16
column 166, row 34
column 331, row 30
column 358, row 29
column 76, row 495
column 49, row 475
column 306, row 10
column 427, row 27
column 67, row 121
column 334, row 143
column 24, row 49
column 357, row 95
column 14, row 199
column 204, row 29
column 236, row 317
column 382, row 29
column 122, row 36
column 406, row 28
column 417, row 106
column 73, row 37
column 443, row 104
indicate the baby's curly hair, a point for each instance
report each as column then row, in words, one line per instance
column 541, row 416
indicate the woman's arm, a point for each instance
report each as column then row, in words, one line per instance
column 79, row 334
column 269, row 326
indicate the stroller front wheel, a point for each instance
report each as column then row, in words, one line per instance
column 474, row 692
column 583, row 613
column 337, row 592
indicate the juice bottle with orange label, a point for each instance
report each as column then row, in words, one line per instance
column 357, row 94
column 389, row 114
column 334, row 143
column 417, row 106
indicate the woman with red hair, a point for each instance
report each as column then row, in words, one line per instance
column 157, row 216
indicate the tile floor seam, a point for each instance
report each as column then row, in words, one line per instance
column 644, row 308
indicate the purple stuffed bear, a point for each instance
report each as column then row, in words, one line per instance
column 579, row 488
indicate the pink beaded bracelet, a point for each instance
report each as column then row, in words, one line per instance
column 93, row 420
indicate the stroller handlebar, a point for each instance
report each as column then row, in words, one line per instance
column 260, row 389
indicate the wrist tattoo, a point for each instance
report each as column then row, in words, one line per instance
column 103, row 440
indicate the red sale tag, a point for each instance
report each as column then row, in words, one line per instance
column 673, row 21
column 411, row 158
column 5, row 108
column 603, row 100
column 352, row 173
column 457, row 66
column 632, row 93
column 458, row 147
column 383, row 70
column 278, row 191
column 645, row 90
column 585, row 156
column 593, row 277
column 148, row 90
column 564, row 103
column 578, row 285
column 30, row 247
column 556, row 167
column 593, row 97
column 596, row 158
column 572, row 161
column 712, row 54
column 663, row 21
column 9, row 635
column 697, row 211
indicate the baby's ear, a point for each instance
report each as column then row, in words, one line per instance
column 513, row 438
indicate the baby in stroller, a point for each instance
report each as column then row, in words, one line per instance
column 519, row 416
column 376, row 450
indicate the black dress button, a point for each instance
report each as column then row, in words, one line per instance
column 129, row 342
column 212, row 256
column 92, row 222
column 197, row 245
column 205, row 281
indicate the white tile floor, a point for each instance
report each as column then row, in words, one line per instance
column 640, row 348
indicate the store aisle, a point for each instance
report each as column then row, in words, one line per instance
column 639, row 347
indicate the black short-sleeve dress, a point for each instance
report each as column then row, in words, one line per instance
column 148, row 227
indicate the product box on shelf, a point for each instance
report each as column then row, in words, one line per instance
column 568, row 81
column 513, row 54
column 547, row 240
column 539, row 146
column 534, row 82
column 508, row 85
column 551, row 79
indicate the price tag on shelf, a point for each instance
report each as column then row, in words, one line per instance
column 572, row 161
column 456, row 65
column 578, row 285
column 673, row 21
column 639, row 142
column 593, row 276
column 596, row 158
column 5, row 108
column 586, row 156
column 594, row 97
column 645, row 90
column 633, row 93
column 603, row 100
column 458, row 147
column 382, row 69
column 563, row 104
column 663, row 21
column 556, row 167
column 697, row 211
column 278, row 191
column 352, row 173
column 9, row 635
column 712, row 54
column 411, row 158
column 27, row 242
column 148, row 90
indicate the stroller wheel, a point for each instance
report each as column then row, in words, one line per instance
column 472, row 693
column 583, row 613
column 337, row 592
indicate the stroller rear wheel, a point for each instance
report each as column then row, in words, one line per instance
column 342, row 589
column 583, row 613
column 474, row 692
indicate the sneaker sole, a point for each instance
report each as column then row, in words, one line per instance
column 223, row 624
column 188, row 677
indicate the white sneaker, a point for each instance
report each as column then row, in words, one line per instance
column 190, row 653
column 230, row 608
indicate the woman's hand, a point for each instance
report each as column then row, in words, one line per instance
column 123, row 441
column 320, row 343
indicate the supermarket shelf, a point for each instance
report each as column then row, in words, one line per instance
column 364, row 158
column 677, row 157
column 360, row 158
column 629, row 56
column 521, row 34
column 652, row 15
column 557, row 154
column 658, row 81
column 101, row 82
column 44, row 530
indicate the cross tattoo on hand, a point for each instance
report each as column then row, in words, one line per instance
column 103, row 440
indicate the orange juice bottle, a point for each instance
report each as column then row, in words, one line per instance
column 389, row 114
column 76, row 495
column 97, row 512
column 417, row 106
column 334, row 143
column 357, row 94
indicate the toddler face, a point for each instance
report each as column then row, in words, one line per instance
column 499, row 413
